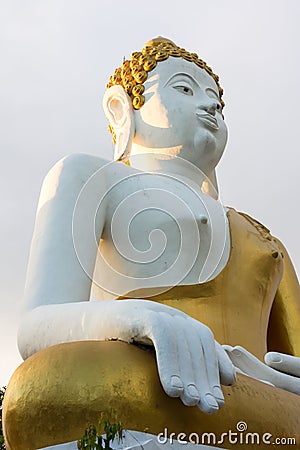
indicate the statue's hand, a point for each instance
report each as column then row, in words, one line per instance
column 190, row 362
column 280, row 370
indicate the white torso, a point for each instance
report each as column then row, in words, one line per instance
column 160, row 230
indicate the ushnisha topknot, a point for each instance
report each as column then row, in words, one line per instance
column 134, row 72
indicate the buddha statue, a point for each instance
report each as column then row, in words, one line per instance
column 145, row 296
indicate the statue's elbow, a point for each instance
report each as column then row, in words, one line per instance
column 27, row 339
column 23, row 341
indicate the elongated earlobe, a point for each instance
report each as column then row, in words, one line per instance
column 118, row 109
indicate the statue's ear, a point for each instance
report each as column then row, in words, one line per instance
column 210, row 185
column 119, row 112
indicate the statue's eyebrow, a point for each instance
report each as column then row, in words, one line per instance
column 182, row 75
column 192, row 80
column 209, row 89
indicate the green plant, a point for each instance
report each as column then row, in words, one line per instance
column 93, row 439
column 2, row 444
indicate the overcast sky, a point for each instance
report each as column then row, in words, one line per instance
column 56, row 57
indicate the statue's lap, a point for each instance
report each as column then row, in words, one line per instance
column 56, row 392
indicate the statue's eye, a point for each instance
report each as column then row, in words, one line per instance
column 184, row 89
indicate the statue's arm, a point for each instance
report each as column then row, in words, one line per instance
column 282, row 367
column 57, row 307
column 55, row 275
column 284, row 323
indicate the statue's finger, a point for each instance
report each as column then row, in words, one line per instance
column 208, row 401
column 227, row 370
column 165, row 343
column 284, row 363
column 211, row 364
column 227, row 347
column 249, row 364
column 188, row 350
column 254, row 368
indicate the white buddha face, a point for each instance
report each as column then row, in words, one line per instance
column 182, row 115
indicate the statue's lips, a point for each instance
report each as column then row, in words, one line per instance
column 208, row 120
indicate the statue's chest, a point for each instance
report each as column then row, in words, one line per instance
column 143, row 202
column 161, row 231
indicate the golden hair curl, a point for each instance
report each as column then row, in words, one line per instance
column 134, row 72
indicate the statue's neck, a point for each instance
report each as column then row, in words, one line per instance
column 172, row 166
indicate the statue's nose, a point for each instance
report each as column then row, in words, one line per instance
column 209, row 105
column 211, row 109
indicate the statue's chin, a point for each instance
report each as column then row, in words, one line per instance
column 206, row 150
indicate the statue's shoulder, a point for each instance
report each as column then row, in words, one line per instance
column 76, row 166
column 243, row 221
column 261, row 228
column 258, row 225
column 81, row 161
